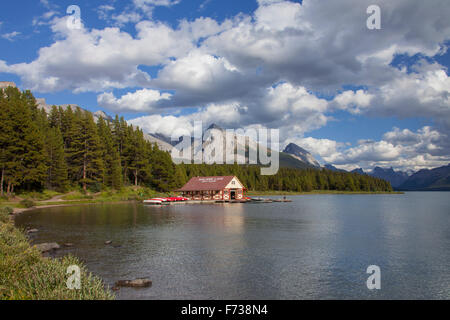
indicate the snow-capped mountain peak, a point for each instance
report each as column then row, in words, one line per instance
column 301, row 154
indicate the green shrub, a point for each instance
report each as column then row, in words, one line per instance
column 133, row 197
column 27, row 203
column 77, row 196
column 7, row 210
column 35, row 196
column 96, row 187
column 4, row 215
column 39, row 196
column 48, row 194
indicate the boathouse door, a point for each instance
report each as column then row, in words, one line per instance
column 233, row 194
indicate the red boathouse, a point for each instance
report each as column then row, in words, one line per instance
column 213, row 188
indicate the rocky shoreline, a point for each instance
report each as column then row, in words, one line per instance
column 48, row 249
column 28, row 274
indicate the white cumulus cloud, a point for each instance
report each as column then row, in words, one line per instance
column 141, row 101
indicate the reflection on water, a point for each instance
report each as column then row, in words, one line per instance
column 318, row 246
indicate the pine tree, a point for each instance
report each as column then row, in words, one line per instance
column 7, row 136
column 138, row 161
column 163, row 170
column 32, row 140
column 85, row 151
column 70, row 128
column 10, row 98
column 55, row 117
column 180, row 176
column 110, row 154
column 57, row 177
column 124, row 140
column 23, row 159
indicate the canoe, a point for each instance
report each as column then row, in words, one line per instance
column 165, row 200
column 153, row 201
column 176, row 199
column 159, row 199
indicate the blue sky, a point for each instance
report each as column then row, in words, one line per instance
column 352, row 96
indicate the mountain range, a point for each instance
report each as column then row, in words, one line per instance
column 42, row 104
column 437, row 179
column 396, row 178
column 294, row 156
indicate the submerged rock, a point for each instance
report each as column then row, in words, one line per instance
column 46, row 247
column 32, row 231
column 108, row 242
column 137, row 283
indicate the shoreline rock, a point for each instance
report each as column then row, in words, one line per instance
column 46, row 247
column 137, row 283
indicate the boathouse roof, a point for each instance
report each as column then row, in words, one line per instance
column 208, row 183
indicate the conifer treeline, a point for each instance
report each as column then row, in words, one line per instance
column 67, row 149
column 288, row 179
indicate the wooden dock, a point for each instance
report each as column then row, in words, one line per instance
column 255, row 201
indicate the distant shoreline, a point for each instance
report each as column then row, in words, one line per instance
column 315, row 192
column 18, row 211
column 69, row 203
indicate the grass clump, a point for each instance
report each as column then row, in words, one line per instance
column 39, row 196
column 131, row 193
column 77, row 195
column 26, row 275
column 5, row 212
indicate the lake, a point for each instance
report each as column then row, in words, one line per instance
column 317, row 247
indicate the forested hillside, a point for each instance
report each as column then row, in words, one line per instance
column 66, row 150
column 289, row 179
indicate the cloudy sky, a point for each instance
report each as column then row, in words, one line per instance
column 354, row 97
